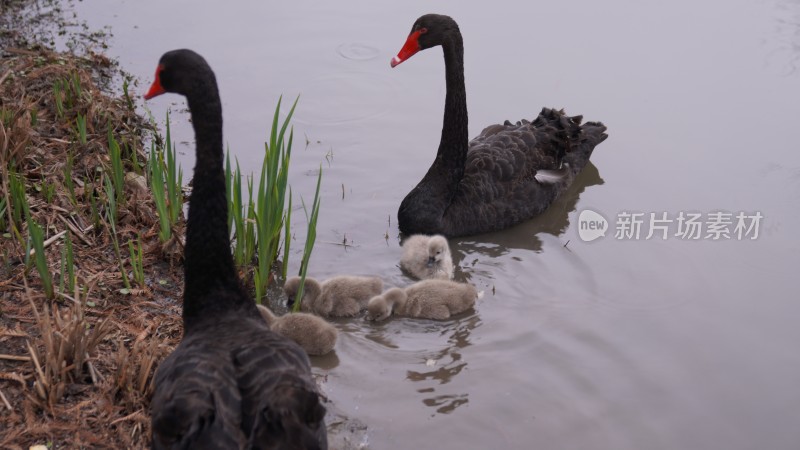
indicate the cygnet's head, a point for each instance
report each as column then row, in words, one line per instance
column 380, row 307
column 311, row 290
column 290, row 288
column 438, row 250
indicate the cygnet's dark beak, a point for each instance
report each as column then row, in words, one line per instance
column 431, row 261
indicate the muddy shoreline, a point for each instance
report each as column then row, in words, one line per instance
column 76, row 366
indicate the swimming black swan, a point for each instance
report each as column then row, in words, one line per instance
column 509, row 173
column 231, row 383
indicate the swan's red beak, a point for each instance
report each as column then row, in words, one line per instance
column 411, row 46
column 155, row 89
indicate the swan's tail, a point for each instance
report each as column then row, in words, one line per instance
column 592, row 134
column 574, row 142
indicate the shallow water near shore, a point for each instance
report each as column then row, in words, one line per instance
column 611, row 344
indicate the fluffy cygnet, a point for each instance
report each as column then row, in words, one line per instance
column 340, row 296
column 427, row 299
column 313, row 334
column 427, row 257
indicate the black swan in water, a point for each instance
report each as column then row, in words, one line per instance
column 231, row 383
column 509, row 173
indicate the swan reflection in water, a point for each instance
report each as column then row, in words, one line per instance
column 554, row 221
column 436, row 362
column 445, row 364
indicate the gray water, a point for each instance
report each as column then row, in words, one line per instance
column 611, row 344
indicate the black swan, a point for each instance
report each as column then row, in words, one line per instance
column 508, row 174
column 231, row 383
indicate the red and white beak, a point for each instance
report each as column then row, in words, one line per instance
column 155, row 89
column 411, row 46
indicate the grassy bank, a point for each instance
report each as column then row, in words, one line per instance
column 89, row 297
column 92, row 240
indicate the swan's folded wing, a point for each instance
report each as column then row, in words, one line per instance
column 500, row 185
column 196, row 404
column 516, row 151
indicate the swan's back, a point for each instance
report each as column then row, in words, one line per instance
column 314, row 335
column 439, row 299
column 347, row 295
column 197, row 403
column 499, row 187
column 236, row 384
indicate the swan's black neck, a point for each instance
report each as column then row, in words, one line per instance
column 211, row 283
column 424, row 207
column 455, row 132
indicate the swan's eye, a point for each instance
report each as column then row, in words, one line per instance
column 423, row 30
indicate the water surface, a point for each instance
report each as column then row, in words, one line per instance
column 612, row 344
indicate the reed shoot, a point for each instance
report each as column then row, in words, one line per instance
column 117, row 167
column 19, row 202
column 111, row 216
column 75, row 85
column 67, row 284
column 242, row 219
column 68, row 183
column 311, row 237
column 166, row 179
column 128, row 99
column 37, row 242
column 173, row 178
column 80, row 128
column 156, row 180
column 137, row 262
column 287, row 237
column 271, row 196
column 58, row 95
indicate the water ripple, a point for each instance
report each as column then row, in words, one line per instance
column 357, row 51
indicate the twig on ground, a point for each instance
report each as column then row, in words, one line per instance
column 5, row 75
column 5, row 401
column 128, row 417
column 50, row 241
column 15, row 357
column 78, row 232
column 19, row 51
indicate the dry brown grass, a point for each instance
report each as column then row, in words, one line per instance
column 78, row 371
column 68, row 342
column 132, row 383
